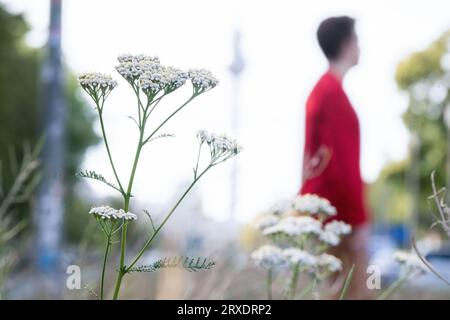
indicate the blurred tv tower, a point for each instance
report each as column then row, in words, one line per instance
column 236, row 69
column 50, row 199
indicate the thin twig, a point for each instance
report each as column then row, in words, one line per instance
column 429, row 266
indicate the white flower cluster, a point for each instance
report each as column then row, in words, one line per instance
column 313, row 205
column 146, row 73
column 338, row 227
column 162, row 78
column 281, row 207
column 295, row 226
column 269, row 257
column 149, row 74
column 221, row 146
column 329, row 263
column 303, row 225
column 330, row 238
column 272, row 257
column 267, row 221
column 332, row 232
column 300, row 257
column 106, row 212
column 175, row 77
column 152, row 77
column 96, row 81
column 132, row 67
column 202, row 79
column 410, row 262
column 302, row 236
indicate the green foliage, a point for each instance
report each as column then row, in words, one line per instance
column 19, row 92
column 163, row 135
column 90, row 174
column 390, row 186
column 190, row 264
column 20, row 108
column 26, row 177
column 422, row 66
column 417, row 75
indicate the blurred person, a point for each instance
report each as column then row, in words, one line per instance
column 331, row 167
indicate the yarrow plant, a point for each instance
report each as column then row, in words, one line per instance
column 411, row 266
column 301, row 234
column 413, row 263
column 151, row 82
column 442, row 219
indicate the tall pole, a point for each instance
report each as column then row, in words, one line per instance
column 50, row 199
column 236, row 69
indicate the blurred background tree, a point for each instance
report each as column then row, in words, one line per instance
column 400, row 193
column 20, row 113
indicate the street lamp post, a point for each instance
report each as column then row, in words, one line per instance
column 236, row 68
column 50, row 205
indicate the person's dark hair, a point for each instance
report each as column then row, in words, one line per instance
column 332, row 33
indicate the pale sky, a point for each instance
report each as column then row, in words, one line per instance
column 283, row 62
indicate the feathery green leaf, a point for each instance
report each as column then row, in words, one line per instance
column 188, row 263
column 90, row 174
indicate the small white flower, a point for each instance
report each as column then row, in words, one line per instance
column 410, row 261
column 314, row 205
column 295, row 226
column 151, row 83
column 203, row 136
column 124, row 58
column 296, row 256
column 175, row 78
column 329, row 262
column 132, row 67
column 281, row 207
column 162, row 78
column 338, row 227
column 96, row 81
column 266, row 221
column 329, row 238
column 202, row 79
column 147, row 73
column 221, row 147
column 106, row 212
column 269, row 257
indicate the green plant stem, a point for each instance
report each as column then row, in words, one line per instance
column 309, row 288
column 123, row 240
column 105, row 140
column 118, row 284
column 126, row 207
column 394, row 286
column 269, row 284
column 294, row 280
column 168, row 118
column 198, row 160
column 347, row 282
column 136, row 91
column 155, row 233
column 105, row 259
column 122, row 268
column 28, row 166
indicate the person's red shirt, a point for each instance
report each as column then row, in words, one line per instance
column 332, row 151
